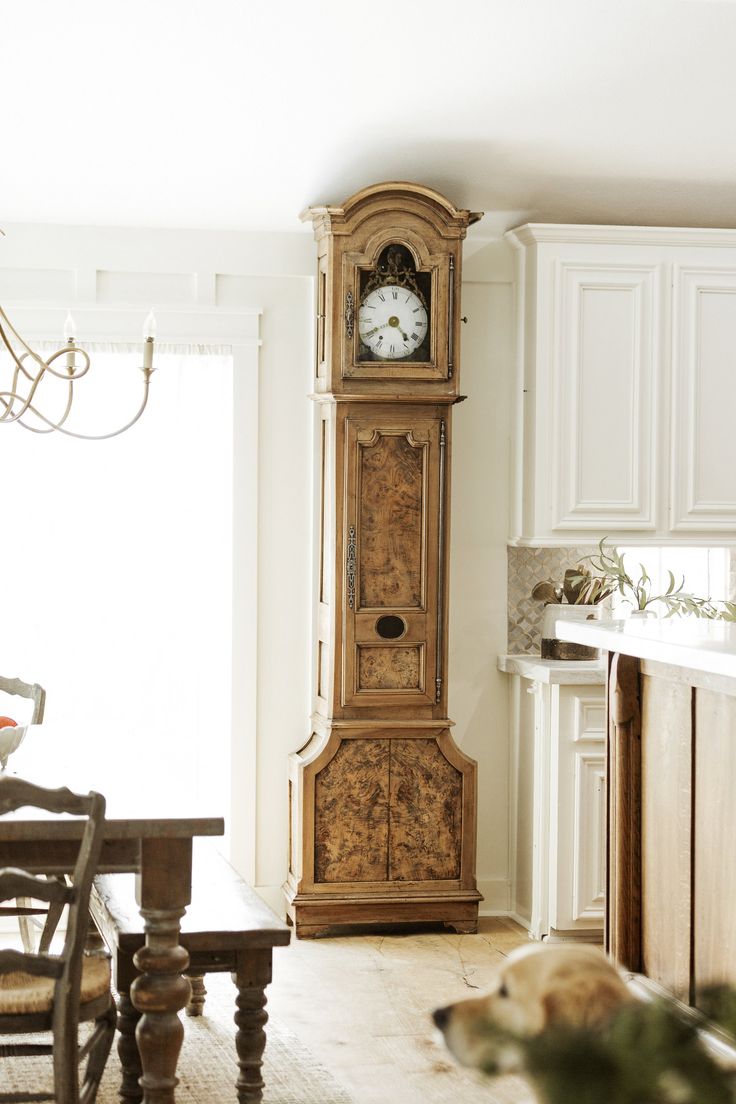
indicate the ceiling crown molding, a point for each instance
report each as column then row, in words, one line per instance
column 536, row 233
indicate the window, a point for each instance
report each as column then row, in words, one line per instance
column 117, row 576
column 705, row 571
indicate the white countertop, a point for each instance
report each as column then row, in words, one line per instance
column 684, row 641
column 571, row 672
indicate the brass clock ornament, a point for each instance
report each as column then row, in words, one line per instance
column 382, row 800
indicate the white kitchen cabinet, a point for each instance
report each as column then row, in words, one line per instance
column 626, row 384
column 704, row 401
column 557, row 797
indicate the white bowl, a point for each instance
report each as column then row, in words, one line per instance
column 11, row 738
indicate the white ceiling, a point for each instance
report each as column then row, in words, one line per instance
column 233, row 114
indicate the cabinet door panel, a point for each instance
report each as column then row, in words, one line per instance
column 704, row 442
column 392, row 535
column 577, row 801
column 603, row 435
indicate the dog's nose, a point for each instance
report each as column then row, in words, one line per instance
column 441, row 1016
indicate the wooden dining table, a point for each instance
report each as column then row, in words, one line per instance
column 156, row 844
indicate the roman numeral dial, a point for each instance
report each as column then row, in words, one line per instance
column 392, row 322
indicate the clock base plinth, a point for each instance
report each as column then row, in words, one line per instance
column 313, row 914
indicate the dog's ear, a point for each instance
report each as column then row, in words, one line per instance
column 583, row 1001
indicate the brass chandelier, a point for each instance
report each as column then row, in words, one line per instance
column 20, row 402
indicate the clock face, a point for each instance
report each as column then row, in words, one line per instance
column 392, row 322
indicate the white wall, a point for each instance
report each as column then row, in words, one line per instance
column 480, row 511
column 208, row 283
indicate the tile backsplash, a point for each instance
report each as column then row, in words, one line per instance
column 527, row 566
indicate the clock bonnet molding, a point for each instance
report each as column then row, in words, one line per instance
column 382, row 801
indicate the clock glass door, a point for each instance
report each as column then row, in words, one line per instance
column 392, row 307
column 394, row 310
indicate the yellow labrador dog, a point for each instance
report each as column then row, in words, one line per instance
column 538, row 987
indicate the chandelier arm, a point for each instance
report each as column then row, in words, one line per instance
column 44, row 365
column 29, row 351
column 16, row 359
column 58, row 426
column 26, row 402
column 74, row 375
column 20, row 367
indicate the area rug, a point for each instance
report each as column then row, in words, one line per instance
column 208, row 1067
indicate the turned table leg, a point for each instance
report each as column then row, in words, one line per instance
column 252, row 975
column 195, row 1007
column 130, row 1060
column 163, row 889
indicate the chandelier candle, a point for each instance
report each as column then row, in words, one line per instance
column 20, row 402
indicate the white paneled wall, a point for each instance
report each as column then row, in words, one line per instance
column 254, row 293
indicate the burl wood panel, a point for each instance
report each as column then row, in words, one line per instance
column 351, row 814
column 392, row 484
column 714, row 918
column 389, row 668
column 425, row 813
column 666, row 758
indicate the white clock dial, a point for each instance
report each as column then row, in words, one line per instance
column 392, row 322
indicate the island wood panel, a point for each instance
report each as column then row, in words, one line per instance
column 666, row 782
column 623, row 896
column 714, row 919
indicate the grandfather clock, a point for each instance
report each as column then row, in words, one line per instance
column 382, row 802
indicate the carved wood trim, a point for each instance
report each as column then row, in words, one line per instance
column 441, row 563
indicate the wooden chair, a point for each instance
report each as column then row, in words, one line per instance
column 35, row 693
column 46, row 992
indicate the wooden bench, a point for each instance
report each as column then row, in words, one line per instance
column 227, row 927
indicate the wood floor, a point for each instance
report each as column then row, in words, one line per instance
column 362, row 1006
column 363, row 1003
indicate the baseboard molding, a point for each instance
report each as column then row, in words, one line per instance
column 522, row 921
column 274, row 898
column 496, row 897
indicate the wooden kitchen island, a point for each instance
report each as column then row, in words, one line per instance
column 671, row 798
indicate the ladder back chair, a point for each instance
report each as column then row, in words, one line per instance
column 45, row 992
column 29, row 690
column 35, row 693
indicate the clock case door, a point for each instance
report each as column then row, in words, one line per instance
column 394, row 553
column 440, row 268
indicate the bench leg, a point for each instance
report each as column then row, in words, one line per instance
column 253, row 974
column 195, row 1007
column 130, row 1059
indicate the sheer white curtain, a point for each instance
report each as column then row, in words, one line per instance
column 116, row 569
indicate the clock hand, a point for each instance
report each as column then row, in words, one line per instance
column 394, row 321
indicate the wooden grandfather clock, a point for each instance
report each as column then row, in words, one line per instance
column 382, row 802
